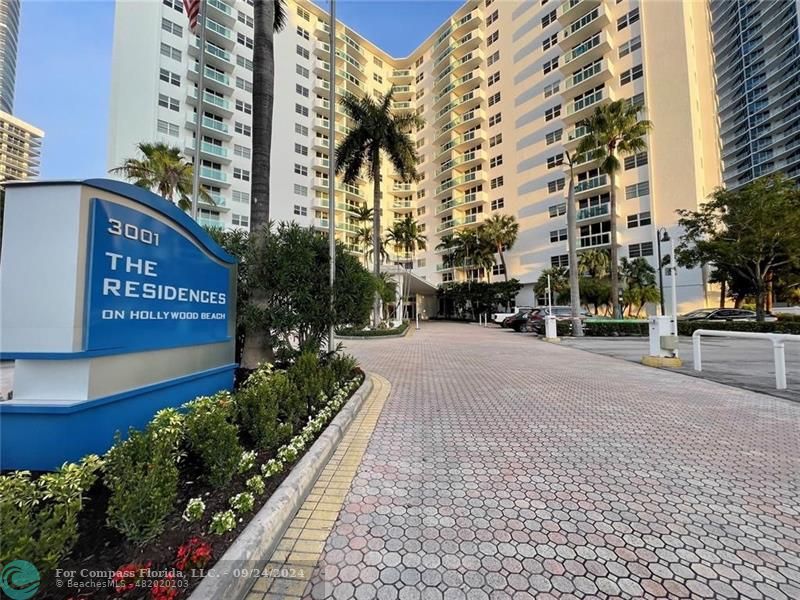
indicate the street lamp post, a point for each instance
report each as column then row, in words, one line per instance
column 659, row 233
column 663, row 236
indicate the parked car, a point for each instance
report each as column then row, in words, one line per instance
column 518, row 321
column 561, row 313
column 723, row 314
column 499, row 317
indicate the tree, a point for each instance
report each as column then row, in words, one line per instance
column 559, row 282
column 363, row 239
column 269, row 17
column 594, row 263
column 501, row 231
column 613, row 130
column 640, row 283
column 377, row 130
column 407, row 235
column 572, row 243
column 164, row 171
column 752, row 233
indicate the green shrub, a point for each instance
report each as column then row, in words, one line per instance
column 260, row 405
column 780, row 326
column 142, row 474
column 788, row 318
column 212, row 437
column 352, row 332
column 343, row 367
column 606, row 328
column 308, row 379
column 39, row 519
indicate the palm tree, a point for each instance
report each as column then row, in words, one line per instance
column 377, row 129
column 614, row 130
column 594, row 263
column 501, row 231
column 406, row 234
column 364, row 213
column 269, row 17
column 572, row 243
column 164, row 171
column 363, row 239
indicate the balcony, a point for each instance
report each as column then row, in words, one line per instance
column 571, row 10
column 213, row 79
column 221, row 12
column 215, row 56
column 597, row 240
column 465, row 201
column 211, row 101
column 216, row 176
column 590, row 23
column 580, row 108
column 445, row 267
column 464, row 161
column 323, row 224
column 219, row 34
column 403, row 91
column 402, row 205
column 402, row 75
column 592, row 184
column 216, row 200
column 473, row 78
column 456, row 182
column 468, row 42
column 211, row 151
column 218, row 127
column 402, row 187
column 211, row 223
column 471, row 20
column 594, row 213
column 462, row 122
column 592, row 49
column 588, row 77
column 469, row 61
column 405, row 105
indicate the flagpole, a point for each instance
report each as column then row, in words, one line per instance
column 332, row 163
column 198, row 127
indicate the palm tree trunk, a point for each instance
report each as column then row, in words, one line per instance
column 503, row 261
column 614, row 300
column 263, row 99
column 723, row 291
column 572, row 243
column 376, row 229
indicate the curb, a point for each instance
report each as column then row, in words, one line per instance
column 374, row 337
column 255, row 545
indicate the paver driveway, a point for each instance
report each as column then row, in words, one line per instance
column 502, row 466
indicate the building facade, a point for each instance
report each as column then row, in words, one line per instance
column 20, row 148
column 9, row 33
column 757, row 51
column 500, row 86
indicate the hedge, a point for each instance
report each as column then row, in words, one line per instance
column 352, row 332
column 624, row 328
column 606, row 328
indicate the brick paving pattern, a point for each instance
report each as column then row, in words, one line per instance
column 504, row 467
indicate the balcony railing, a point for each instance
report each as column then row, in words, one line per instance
column 451, row 183
column 591, row 212
column 591, row 184
column 214, row 174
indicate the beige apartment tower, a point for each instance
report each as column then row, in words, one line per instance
column 501, row 87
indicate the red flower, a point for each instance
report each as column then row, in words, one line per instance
column 194, row 554
column 127, row 575
column 164, row 589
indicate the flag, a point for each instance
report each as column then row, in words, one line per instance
column 192, row 9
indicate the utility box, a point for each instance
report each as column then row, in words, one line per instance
column 662, row 342
column 550, row 330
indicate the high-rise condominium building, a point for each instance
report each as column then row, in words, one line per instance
column 9, row 32
column 501, row 87
column 757, row 53
column 20, row 148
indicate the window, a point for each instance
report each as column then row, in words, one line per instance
column 240, row 220
column 420, row 194
column 242, row 151
column 637, row 190
column 640, row 250
column 631, row 74
column 245, row 19
column 169, row 77
column 551, row 89
column 556, row 210
column 495, row 119
column 300, row 169
column 492, row 18
column 303, row 91
column 244, row 62
column 498, row 269
column 635, row 160
column 171, row 27
column 550, row 65
column 628, row 19
column 244, row 40
column 300, row 149
column 301, row 110
column 495, row 139
column 560, row 260
column 244, row 107
column 555, row 186
column 245, row 85
column 304, row 14
column 302, row 51
column 302, row 71
column 552, row 113
column 492, row 38
column 558, row 235
column 170, row 52
column 168, row 128
column 176, row 4
column 240, row 196
column 496, row 161
column 447, row 277
column 639, row 220
column 549, row 42
column 630, row 46
column 494, row 78
column 170, row 103
column 301, row 211
column 303, row 33
column 493, row 58
column 377, row 61
column 496, row 182
column 420, row 211
column 300, row 129
column 637, row 100
column 494, row 98
column 300, row 190
column 555, row 160
column 553, row 136
column 242, row 128
column 419, row 77
column 377, row 77
column 497, row 204
column 549, row 18
column 242, row 174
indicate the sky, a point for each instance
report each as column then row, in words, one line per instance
column 64, row 68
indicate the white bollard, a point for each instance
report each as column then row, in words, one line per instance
column 780, row 363
column 550, row 330
column 697, row 362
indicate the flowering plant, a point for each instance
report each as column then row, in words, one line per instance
column 193, row 554
column 126, row 577
column 247, row 461
column 272, row 467
column 164, row 589
column 242, row 502
column 222, row 522
column 194, row 510
column 256, row 485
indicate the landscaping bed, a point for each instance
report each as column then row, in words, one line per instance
column 164, row 504
column 369, row 333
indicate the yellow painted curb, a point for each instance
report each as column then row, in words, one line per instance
column 662, row 361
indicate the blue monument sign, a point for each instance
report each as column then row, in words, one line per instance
column 113, row 305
